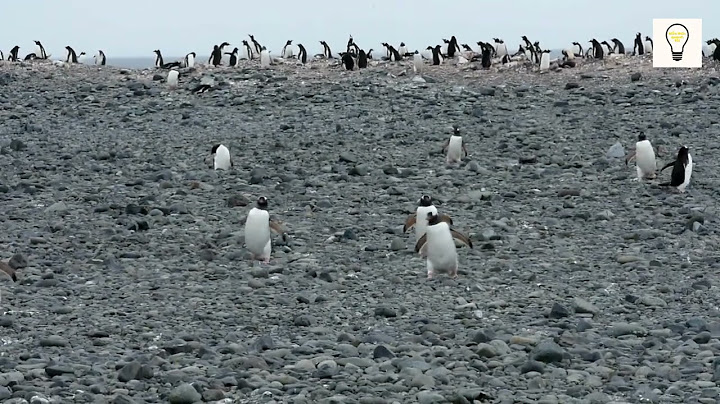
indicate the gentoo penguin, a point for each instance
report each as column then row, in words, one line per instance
column 158, row 59
column 350, row 44
column 395, row 56
column 257, row 231
column 362, row 61
column 438, row 245
column 418, row 63
column 172, row 79
column 369, row 54
column 682, row 170
column 648, row 44
column 302, row 53
column 711, row 45
column 347, row 61
column 264, row 57
column 486, row 55
column 256, row 44
column 639, row 47
column 71, row 55
column 327, row 53
column 577, row 49
column 437, row 55
column 30, row 56
column 10, row 271
column 501, row 48
column 418, row 220
column 248, row 50
column 40, row 52
column 644, row 158
column 287, row 50
column 597, row 49
column 454, row 148
column 402, row 49
column 453, row 47
column 607, row 49
column 189, row 60
column 545, row 60
column 568, row 59
column 233, row 57
column 444, row 47
column 216, row 56
column 100, row 58
column 221, row 157
column 619, row 47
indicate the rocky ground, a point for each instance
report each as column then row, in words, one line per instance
column 584, row 286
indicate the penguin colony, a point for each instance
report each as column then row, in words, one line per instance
column 436, row 239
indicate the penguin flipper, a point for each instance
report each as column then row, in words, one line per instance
column 445, row 218
column 421, row 244
column 445, row 146
column 630, row 157
column 8, row 270
column 410, row 222
column 667, row 165
column 276, row 227
column 464, row 149
column 461, row 237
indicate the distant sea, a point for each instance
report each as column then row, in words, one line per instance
column 148, row 62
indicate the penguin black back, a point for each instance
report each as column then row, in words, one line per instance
column 620, row 46
column 639, row 47
column 426, row 200
column 362, row 59
column 302, row 54
column 347, row 61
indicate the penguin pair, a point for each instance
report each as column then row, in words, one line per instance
column 644, row 155
column 435, row 238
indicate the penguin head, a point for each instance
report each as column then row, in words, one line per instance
column 323, row 43
column 402, row 43
column 156, row 51
column 214, row 148
column 416, row 51
column 289, row 42
column 445, row 40
column 37, row 43
column 456, row 130
column 262, row 203
column 576, row 43
column 224, row 44
column 429, row 48
column 432, row 219
column 426, row 200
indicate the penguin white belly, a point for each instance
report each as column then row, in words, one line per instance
column 711, row 49
column 444, row 49
column 688, row 174
column 222, row 158
column 257, row 233
column 544, row 61
column 172, row 78
column 502, row 50
column 645, row 160
column 38, row 52
column 417, row 63
column 576, row 50
column 440, row 249
column 402, row 51
column 421, row 220
column 264, row 58
column 191, row 61
column 648, row 47
column 288, row 53
column 454, row 151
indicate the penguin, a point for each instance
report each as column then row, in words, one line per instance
column 264, row 57
column 568, row 59
column 362, row 61
column 100, row 58
column 639, row 47
column 418, row 63
column 418, row 220
column 327, row 53
column 438, row 245
column 452, row 47
column 30, row 56
column 597, row 49
column 2, row 56
column 189, row 60
column 545, row 60
column 402, row 49
column 369, row 54
column 302, row 53
column 648, row 44
column 444, row 47
column 40, row 53
column 349, row 46
column 10, row 271
column 682, row 170
column 71, row 55
column 528, row 44
column 437, row 55
column 221, row 157
column 501, row 48
column 577, row 49
column 248, row 50
column 644, row 156
column 454, row 148
column 607, row 49
column 287, row 51
column 172, row 79
column 158, row 59
column 347, row 61
column 710, row 47
column 257, row 231
column 486, row 55
column 256, row 44
column 233, row 57
column 215, row 56
column 619, row 47
column 395, row 56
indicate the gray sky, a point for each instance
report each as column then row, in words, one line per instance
column 130, row 28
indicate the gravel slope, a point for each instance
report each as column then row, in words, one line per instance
column 584, row 285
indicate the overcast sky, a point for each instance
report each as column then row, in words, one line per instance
column 130, row 28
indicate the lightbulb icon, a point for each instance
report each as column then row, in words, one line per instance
column 677, row 36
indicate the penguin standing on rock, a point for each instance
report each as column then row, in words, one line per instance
column 418, row 63
column 40, row 53
column 233, row 57
column 347, row 61
column 418, row 220
column 221, row 157
column 100, row 58
column 438, row 245
column 257, row 231
column 189, row 60
column 264, row 58
column 644, row 156
column 682, row 170
column 639, row 47
column 71, row 55
column 362, row 61
column 302, row 54
column 248, row 50
column 287, row 50
column 454, row 147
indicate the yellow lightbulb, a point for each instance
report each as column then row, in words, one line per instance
column 677, row 36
